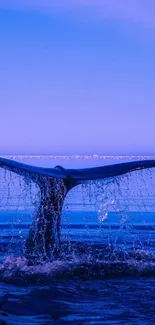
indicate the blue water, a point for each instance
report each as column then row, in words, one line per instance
column 106, row 271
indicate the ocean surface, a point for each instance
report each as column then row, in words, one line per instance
column 106, row 270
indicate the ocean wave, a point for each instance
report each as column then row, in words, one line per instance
column 139, row 263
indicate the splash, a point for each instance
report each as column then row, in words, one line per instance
column 139, row 263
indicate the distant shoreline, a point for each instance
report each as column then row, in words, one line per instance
column 95, row 156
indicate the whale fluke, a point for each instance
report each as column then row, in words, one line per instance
column 44, row 236
column 109, row 170
column 75, row 175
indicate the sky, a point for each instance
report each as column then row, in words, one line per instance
column 77, row 77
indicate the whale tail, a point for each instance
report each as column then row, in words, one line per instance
column 54, row 183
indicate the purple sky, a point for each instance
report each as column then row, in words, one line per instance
column 77, row 76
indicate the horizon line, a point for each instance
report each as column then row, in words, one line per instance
column 73, row 156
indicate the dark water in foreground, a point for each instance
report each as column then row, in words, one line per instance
column 106, row 271
column 104, row 288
